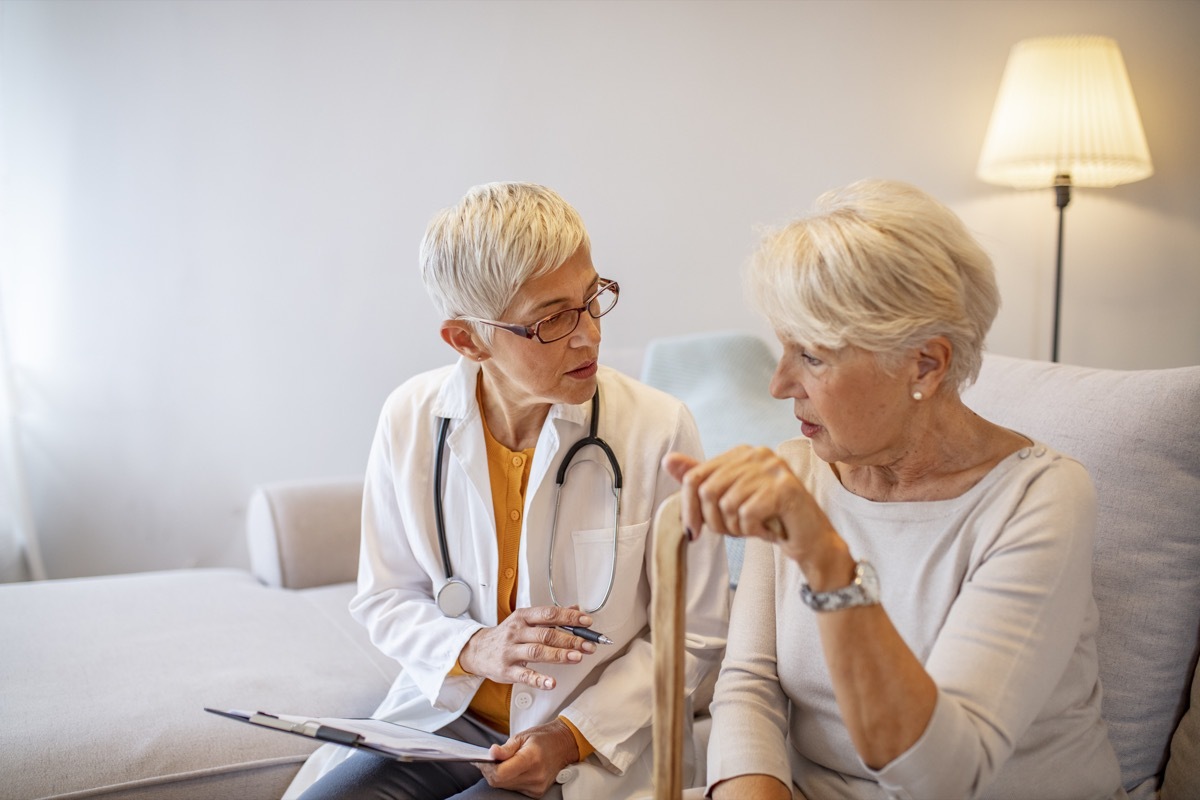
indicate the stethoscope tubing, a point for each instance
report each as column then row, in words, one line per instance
column 439, row 516
column 591, row 439
column 447, row 606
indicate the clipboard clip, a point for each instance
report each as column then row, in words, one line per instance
column 337, row 735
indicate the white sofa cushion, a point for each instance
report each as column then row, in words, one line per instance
column 1137, row 434
column 105, row 695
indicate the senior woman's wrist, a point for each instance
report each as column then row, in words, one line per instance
column 763, row 787
column 828, row 568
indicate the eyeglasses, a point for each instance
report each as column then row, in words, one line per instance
column 563, row 323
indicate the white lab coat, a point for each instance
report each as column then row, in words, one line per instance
column 609, row 696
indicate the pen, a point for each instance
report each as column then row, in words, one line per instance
column 586, row 633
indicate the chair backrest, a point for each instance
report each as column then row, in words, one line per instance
column 1138, row 434
column 723, row 378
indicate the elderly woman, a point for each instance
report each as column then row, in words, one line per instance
column 915, row 615
column 472, row 564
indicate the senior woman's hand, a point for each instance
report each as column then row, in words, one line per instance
column 527, row 636
column 885, row 695
column 750, row 491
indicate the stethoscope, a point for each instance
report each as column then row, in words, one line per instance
column 454, row 597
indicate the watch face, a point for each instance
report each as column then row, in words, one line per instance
column 864, row 575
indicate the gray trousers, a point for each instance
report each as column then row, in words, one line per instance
column 366, row 776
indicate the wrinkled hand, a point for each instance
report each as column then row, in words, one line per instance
column 528, row 636
column 750, row 491
column 531, row 760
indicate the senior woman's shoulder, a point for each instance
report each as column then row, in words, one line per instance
column 1042, row 462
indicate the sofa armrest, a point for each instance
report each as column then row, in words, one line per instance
column 305, row 533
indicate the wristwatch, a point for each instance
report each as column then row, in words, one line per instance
column 864, row 591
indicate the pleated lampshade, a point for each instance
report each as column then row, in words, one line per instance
column 1065, row 108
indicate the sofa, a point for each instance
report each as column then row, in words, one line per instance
column 103, row 681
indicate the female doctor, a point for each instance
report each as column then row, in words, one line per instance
column 477, row 451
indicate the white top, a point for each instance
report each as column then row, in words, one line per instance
column 609, row 696
column 991, row 590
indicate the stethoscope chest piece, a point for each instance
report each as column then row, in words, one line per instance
column 454, row 597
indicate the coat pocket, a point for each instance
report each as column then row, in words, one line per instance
column 596, row 570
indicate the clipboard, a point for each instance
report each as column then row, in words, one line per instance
column 388, row 739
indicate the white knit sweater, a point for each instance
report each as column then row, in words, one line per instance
column 991, row 590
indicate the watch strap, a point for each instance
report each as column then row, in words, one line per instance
column 862, row 591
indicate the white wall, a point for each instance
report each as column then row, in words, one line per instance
column 212, row 209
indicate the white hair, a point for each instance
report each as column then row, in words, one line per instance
column 882, row 266
column 477, row 254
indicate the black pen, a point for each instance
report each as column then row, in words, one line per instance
column 587, row 633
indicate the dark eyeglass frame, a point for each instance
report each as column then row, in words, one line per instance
column 533, row 331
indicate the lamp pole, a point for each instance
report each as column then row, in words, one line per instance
column 1062, row 196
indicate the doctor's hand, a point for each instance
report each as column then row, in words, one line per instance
column 531, row 760
column 751, row 491
column 528, row 636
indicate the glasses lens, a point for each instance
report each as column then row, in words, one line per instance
column 562, row 324
column 556, row 327
column 604, row 301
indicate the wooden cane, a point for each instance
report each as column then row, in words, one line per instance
column 669, row 574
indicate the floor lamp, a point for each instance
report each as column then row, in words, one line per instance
column 1065, row 116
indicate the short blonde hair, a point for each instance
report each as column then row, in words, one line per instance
column 882, row 266
column 477, row 254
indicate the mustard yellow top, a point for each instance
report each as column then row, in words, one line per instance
column 508, row 471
